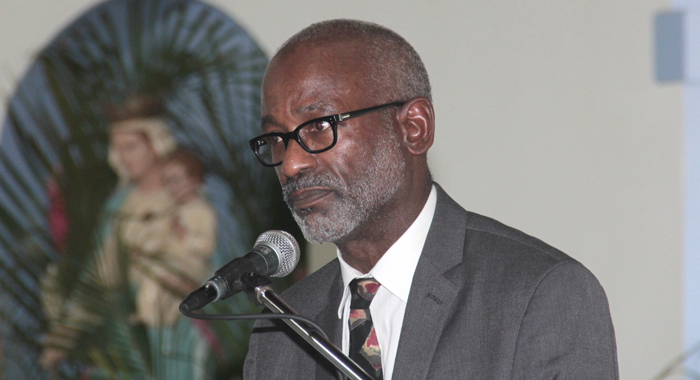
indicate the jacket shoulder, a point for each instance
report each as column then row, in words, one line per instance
column 464, row 237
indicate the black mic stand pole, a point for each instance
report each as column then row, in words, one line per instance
column 259, row 288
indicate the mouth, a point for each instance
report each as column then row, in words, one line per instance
column 308, row 197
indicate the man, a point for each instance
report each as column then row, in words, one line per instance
column 451, row 294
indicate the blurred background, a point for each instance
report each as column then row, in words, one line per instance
column 572, row 121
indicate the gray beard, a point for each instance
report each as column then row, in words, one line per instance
column 376, row 184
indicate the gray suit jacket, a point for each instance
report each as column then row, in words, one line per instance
column 487, row 302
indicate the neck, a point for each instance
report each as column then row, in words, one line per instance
column 366, row 246
column 151, row 181
column 187, row 198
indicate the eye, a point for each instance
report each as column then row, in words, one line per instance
column 270, row 140
column 319, row 126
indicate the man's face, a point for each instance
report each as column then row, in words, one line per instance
column 332, row 193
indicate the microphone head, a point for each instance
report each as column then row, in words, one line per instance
column 286, row 248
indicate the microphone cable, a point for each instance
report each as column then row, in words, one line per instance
column 245, row 317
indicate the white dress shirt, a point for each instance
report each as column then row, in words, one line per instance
column 394, row 271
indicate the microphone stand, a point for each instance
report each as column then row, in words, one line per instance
column 260, row 292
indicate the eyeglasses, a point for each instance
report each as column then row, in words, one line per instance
column 314, row 136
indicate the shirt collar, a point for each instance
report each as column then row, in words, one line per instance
column 396, row 267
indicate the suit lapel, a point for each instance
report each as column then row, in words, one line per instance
column 432, row 294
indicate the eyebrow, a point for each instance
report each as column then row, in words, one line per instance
column 267, row 119
column 317, row 106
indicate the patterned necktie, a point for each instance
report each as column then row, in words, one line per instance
column 364, row 347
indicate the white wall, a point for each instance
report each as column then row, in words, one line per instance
column 548, row 119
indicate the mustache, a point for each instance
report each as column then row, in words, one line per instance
column 319, row 180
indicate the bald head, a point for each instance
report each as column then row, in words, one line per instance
column 395, row 71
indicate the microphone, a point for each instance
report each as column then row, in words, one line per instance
column 275, row 253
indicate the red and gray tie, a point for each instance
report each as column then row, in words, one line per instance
column 364, row 347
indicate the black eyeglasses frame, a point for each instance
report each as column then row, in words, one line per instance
column 334, row 120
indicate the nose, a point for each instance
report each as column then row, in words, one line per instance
column 296, row 160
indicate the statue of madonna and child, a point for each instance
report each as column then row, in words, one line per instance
column 154, row 245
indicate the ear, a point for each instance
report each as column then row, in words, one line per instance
column 417, row 122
